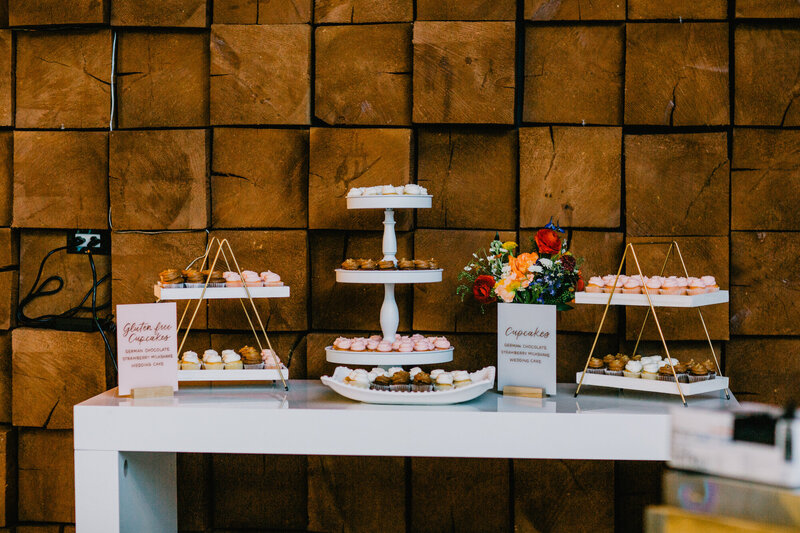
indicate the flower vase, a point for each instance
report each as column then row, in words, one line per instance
column 526, row 346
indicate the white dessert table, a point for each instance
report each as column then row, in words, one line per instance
column 125, row 449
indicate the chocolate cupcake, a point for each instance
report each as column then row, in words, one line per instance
column 405, row 264
column 680, row 371
column 433, row 264
column 596, row 366
column 422, row 382
column 194, row 278
column 711, row 367
column 250, row 357
column 665, row 374
column 382, row 382
column 615, row 368
column 170, row 278
column 697, row 373
column 386, row 265
column 215, row 279
column 421, row 264
column 608, row 358
column 350, row 264
column 367, row 264
column 401, row 381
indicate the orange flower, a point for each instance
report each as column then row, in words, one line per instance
column 521, row 263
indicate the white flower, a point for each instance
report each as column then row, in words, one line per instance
column 466, row 268
column 535, row 268
column 547, row 263
column 506, row 269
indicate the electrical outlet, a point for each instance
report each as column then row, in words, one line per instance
column 80, row 241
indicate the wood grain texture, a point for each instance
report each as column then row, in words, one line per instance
column 464, row 72
column 677, row 184
column 74, row 270
column 637, row 485
column 8, row 476
column 765, row 279
column 362, row 11
column 290, row 347
column 767, row 8
column 677, row 74
column 62, row 79
column 341, row 159
column 194, row 491
column 472, row 176
column 282, row 251
column 573, row 350
column 572, row 174
column 254, row 166
column 265, row 492
column 466, row 9
column 363, row 74
column 574, row 10
column 45, row 12
column 767, row 53
column 44, row 394
column 437, row 307
column 573, row 74
column 327, row 251
column 136, row 260
column 159, row 179
column 703, row 256
column 262, row 11
column 563, row 496
column 5, row 377
column 6, row 177
column 60, row 179
column 7, row 78
column 46, row 476
column 353, row 494
column 9, row 248
column 260, row 74
column 180, row 13
column 462, row 490
column 9, row 292
column 162, row 79
column 678, row 9
column 765, row 180
column 754, row 378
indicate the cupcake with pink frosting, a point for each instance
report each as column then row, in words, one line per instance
column 670, row 287
column 632, row 286
column 441, row 344
column 595, row 284
column 653, row 285
column 251, row 279
column 358, row 346
column 696, row 286
column 710, row 283
column 372, row 345
column 609, row 283
column 271, row 279
column 232, row 279
column 384, row 346
column 406, row 346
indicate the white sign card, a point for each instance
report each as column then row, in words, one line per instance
column 526, row 346
column 147, row 346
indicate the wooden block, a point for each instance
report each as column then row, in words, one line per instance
column 766, row 53
column 290, row 347
column 464, row 72
column 44, row 528
column 355, row 157
column 260, row 74
column 573, row 349
column 316, row 364
column 62, row 79
column 6, row 177
column 45, row 12
column 527, row 392
column 667, row 64
column 259, row 491
column 462, row 490
column 181, row 13
column 363, row 74
column 6, row 77
column 44, row 394
column 677, row 184
column 561, row 496
column 159, row 179
column 765, row 162
column 60, row 179
column 73, row 269
column 470, row 190
column 361, row 11
column 764, row 280
column 703, row 256
column 437, row 307
column 466, row 10
column 195, row 494
column 251, row 164
column 46, row 476
column 362, row 302
column 137, row 259
column 572, row 174
column 284, row 252
column 5, row 377
column 9, row 248
column 262, row 11
column 8, row 476
column 152, row 392
column 573, row 74
column 574, row 10
column 9, row 287
column 354, row 494
column 664, row 519
column 767, row 9
column 678, row 9
column 162, row 79
column 756, row 378
column 602, row 252
column 637, row 485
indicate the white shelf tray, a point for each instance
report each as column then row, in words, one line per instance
column 219, row 293
column 653, row 385
column 483, row 381
column 264, row 374
column 346, row 357
column 390, row 201
column 388, row 276
column 659, row 300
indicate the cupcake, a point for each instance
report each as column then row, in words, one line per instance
column 633, row 370
column 422, row 382
column 357, row 379
column 170, row 278
column 444, row 382
column 350, row 264
column 367, row 264
column 212, row 361
column 697, row 373
column 270, row 359
column 595, row 284
column 433, row 264
column 384, row 346
column 711, row 367
column 615, row 368
column 342, row 344
column 194, row 278
column 683, row 284
column 232, row 279
column 670, row 287
column 441, row 344
column 358, row 345
column 608, row 358
column 401, row 381
column 405, row 346
column 372, row 345
column 710, row 283
column 215, row 279
column 251, row 358
column 251, row 279
column 405, row 264
column 386, row 265
column 232, row 360
column 650, row 371
column 461, row 378
column 596, row 366
column 414, row 371
column 190, row 361
column 680, row 371
column 653, row 285
column 412, row 189
column 632, row 286
column 665, row 373
column 420, row 264
column 271, row 279
column 624, row 359
column 208, row 353
column 609, row 284
column 355, row 192
column 382, row 382
column 696, row 286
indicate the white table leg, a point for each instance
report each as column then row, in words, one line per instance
column 121, row 492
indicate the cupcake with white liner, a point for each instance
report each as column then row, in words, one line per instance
column 633, row 369
column 232, row 360
column 190, row 361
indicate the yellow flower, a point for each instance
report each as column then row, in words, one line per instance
column 506, row 289
column 510, row 246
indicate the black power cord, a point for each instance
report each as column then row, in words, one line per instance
column 95, row 283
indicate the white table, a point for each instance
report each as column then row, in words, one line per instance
column 125, row 449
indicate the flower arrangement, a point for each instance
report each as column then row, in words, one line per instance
column 548, row 274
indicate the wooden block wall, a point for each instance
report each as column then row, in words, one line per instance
column 627, row 120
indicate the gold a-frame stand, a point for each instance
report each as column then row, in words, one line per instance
column 221, row 246
column 673, row 245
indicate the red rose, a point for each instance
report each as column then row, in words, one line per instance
column 482, row 289
column 548, row 241
column 580, row 285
